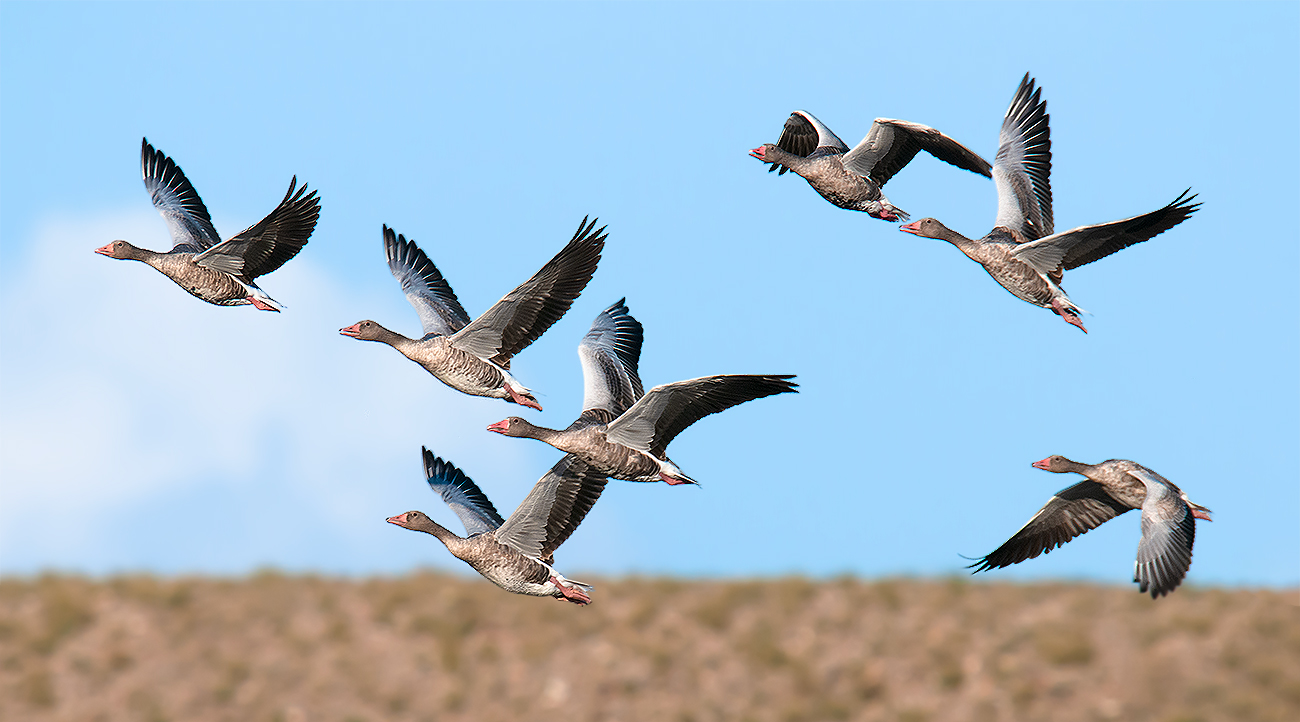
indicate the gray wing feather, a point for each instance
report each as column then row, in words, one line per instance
column 461, row 494
column 892, row 144
column 1071, row 512
column 526, row 312
column 439, row 310
column 269, row 243
column 665, row 411
column 553, row 509
column 610, row 354
column 1168, row 529
column 1023, row 165
column 176, row 200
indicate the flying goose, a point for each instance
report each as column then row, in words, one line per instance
column 1022, row 252
column 1112, row 488
column 473, row 357
column 515, row 554
column 852, row 179
column 219, row 272
column 622, row 432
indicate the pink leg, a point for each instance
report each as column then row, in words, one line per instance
column 1067, row 315
column 259, row 305
column 573, row 594
column 674, row 480
column 515, row 397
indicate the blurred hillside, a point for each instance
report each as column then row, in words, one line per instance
column 434, row 647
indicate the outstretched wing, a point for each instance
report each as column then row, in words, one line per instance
column 1168, row 529
column 610, row 354
column 461, row 494
column 526, row 312
column 439, row 310
column 1023, row 165
column 1071, row 512
column 553, row 509
column 892, row 144
column 808, row 137
column 663, row 413
column 1073, row 248
column 269, row 243
column 186, row 216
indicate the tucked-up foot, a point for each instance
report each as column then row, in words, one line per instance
column 261, row 306
column 676, row 480
column 528, row 401
column 1068, row 315
column 573, row 594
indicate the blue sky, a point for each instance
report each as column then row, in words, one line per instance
column 141, row 429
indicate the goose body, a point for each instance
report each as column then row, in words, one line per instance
column 219, row 272
column 515, row 554
column 1111, row 488
column 852, row 179
column 1022, row 252
column 622, row 432
column 473, row 356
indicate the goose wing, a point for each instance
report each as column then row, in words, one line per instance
column 1071, row 512
column 1023, row 165
column 439, row 310
column 808, row 137
column 665, row 411
column 461, row 494
column 269, row 243
column 892, row 144
column 1073, row 248
column 553, row 509
column 175, row 198
column 610, row 353
column 526, row 312
column 1168, row 529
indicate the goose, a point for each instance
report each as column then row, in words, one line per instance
column 216, row 271
column 1111, row 488
column 515, row 554
column 852, row 179
column 1022, row 252
column 473, row 357
column 622, row 432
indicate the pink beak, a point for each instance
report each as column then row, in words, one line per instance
column 399, row 520
column 1042, row 464
column 500, row 427
column 354, row 331
column 106, row 250
column 757, row 153
column 913, row 228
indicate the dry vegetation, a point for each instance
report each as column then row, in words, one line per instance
column 273, row 648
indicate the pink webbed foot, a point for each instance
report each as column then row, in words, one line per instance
column 573, row 594
column 522, row 400
column 261, row 306
column 674, row 480
column 1068, row 315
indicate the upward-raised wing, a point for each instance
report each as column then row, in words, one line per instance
column 1023, row 165
column 665, row 411
column 269, row 243
column 610, row 354
column 1073, row 248
column 806, row 136
column 1071, row 512
column 439, row 310
column 1168, row 529
column 553, row 509
column 526, row 312
column 461, row 494
column 892, row 144
column 187, row 218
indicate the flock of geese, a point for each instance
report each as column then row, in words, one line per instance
column 623, row 432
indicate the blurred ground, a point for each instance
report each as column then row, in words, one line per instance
column 433, row 647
